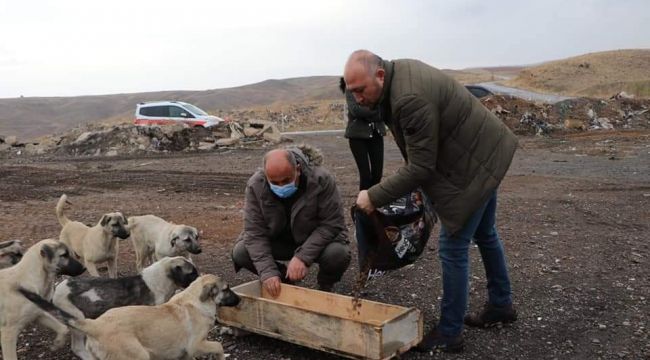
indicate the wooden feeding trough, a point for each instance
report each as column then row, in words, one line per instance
column 325, row 321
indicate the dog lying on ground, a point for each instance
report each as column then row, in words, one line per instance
column 93, row 245
column 177, row 329
column 35, row 272
column 90, row 297
column 11, row 251
column 154, row 238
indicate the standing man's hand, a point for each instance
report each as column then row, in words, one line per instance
column 364, row 203
column 297, row 270
column 273, row 286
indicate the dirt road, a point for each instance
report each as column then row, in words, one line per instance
column 574, row 216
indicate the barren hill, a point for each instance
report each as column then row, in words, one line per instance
column 601, row 74
column 33, row 117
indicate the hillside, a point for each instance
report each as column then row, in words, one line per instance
column 33, row 117
column 601, row 74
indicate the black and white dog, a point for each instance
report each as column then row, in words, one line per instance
column 90, row 297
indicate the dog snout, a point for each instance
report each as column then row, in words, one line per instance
column 229, row 298
column 73, row 268
column 123, row 233
column 195, row 249
column 189, row 278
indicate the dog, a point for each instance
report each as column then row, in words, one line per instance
column 93, row 245
column 11, row 251
column 35, row 272
column 154, row 238
column 177, row 329
column 90, row 297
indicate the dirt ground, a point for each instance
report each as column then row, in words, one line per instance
column 574, row 216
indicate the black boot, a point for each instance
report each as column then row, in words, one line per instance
column 492, row 315
column 434, row 340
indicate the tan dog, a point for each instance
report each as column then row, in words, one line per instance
column 93, row 245
column 177, row 329
column 11, row 251
column 154, row 238
column 35, row 272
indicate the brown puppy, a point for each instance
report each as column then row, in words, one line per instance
column 35, row 272
column 93, row 245
column 177, row 329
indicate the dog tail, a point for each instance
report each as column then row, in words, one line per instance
column 59, row 314
column 63, row 220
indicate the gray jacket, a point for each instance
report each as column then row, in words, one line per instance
column 363, row 123
column 316, row 216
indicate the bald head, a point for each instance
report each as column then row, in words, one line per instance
column 280, row 167
column 364, row 60
column 364, row 77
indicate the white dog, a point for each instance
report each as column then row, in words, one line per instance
column 154, row 238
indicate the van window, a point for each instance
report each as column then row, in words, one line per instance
column 158, row 111
column 196, row 110
column 175, row 111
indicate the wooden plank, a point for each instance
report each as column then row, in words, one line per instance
column 402, row 333
column 325, row 321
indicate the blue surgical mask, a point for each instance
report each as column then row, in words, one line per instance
column 284, row 191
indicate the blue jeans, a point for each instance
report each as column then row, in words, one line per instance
column 454, row 256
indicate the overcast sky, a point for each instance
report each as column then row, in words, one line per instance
column 84, row 47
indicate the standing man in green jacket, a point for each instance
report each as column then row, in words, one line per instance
column 458, row 152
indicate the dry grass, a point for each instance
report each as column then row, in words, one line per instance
column 601, row 74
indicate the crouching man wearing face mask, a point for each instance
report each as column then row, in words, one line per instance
column 293, row 212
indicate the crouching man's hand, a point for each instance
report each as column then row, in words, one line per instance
column 364, row 203
column 297, row 270
column 273, row 286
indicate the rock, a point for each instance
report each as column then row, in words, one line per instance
column 274, row 137
column 602, row 123
column 622, row 95
column 83, row 137
column 206, row 145
column 251, row 131
column 169, row 130
column 111, row 153
column 227, row 142
column 591, row 114
column 574, row 124
column 11, row 140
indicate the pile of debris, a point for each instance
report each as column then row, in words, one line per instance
column 579, row 114
column 124, row 139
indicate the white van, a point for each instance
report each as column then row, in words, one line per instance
column 173, row 112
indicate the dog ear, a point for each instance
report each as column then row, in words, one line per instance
column 208, row 292
column 105, row 220
column 5, row 244
column 174, row 239
column 47, row 252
